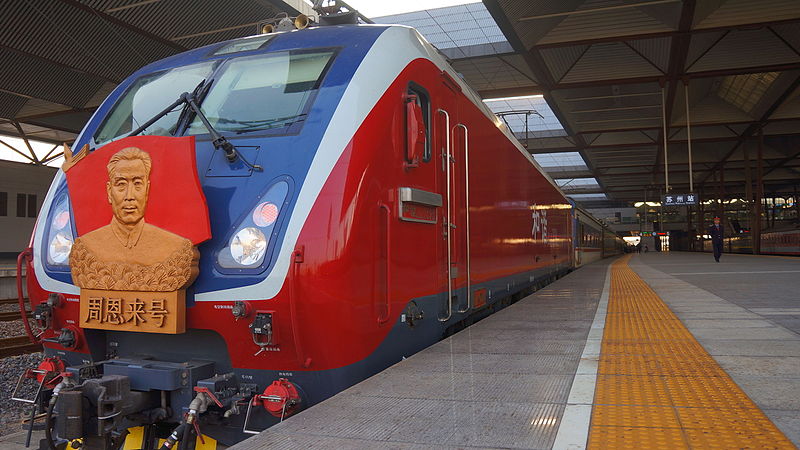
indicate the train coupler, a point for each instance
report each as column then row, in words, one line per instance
column 281, row 399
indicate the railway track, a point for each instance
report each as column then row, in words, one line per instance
column 8, row 316
column 18, row 345
column 10, row 301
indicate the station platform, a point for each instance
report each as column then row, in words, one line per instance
column 657, row 350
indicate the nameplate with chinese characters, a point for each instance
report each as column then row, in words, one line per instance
column 145, row 312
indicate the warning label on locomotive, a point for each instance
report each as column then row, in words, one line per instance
column 147, row 312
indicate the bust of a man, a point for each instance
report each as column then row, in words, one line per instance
column 129, row 254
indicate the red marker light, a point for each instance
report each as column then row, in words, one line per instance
column 61, row 220
column 265, row 214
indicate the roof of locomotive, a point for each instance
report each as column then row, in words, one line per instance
column 324, row 36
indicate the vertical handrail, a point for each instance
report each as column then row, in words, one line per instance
column 27, row 253
column 447, row 224
column 466, row 200
column 383, row 316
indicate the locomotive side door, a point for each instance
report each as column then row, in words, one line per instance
column 450, row 184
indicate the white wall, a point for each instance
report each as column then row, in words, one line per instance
column 20, row 178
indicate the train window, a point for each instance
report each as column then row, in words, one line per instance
column 263, row 92
column 147, row 96
column 3, row 203
column 424, row 102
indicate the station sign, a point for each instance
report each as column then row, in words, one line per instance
column 679, row 199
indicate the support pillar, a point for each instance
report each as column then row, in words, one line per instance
column 701, row 217
column 759, row 194
column 748, row 194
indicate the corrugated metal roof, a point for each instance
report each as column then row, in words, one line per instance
column 713, row 109
column 561, row 59
column 609, row 61
column 171, row 20
column 36, row 78
column 550, row 143
column 35, row 132
column 528, row 34
column 737, row 12
column 491, row 73
column 11, row 104
column 519, row 63
column 70, row 35
column 699, row 45
column 594, row 125
column 71, row 54
column 35, row 106
column 789, row 32
column 620, row 22
column 624, row 137
column 790, row 108
column 703, row 133
column 655, row 50
column 782, row 127
column 746, row 48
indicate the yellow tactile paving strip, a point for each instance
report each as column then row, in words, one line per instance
column 658, row 388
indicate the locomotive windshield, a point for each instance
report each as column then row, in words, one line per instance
column 147, row 96
column 262, row 92
column 247, row 94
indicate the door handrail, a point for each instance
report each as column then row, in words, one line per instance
column 447, row 225
column 466, row 200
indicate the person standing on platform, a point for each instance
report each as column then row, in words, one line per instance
column 717, row 232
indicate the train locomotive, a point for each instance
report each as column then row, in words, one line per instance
column 253, row 226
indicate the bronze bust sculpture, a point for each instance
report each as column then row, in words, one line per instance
column 129, row 254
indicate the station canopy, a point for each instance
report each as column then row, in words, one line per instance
column 608, row 72
column 61, row 58
column 584, row 84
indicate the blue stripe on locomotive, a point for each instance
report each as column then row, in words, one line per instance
column 230, row 198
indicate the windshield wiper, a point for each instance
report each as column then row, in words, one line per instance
column 263, row 124
column 198, row 93
column 217, row 140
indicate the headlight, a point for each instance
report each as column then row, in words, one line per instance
column 248, row 246
column 59, row 249
column 59, row 234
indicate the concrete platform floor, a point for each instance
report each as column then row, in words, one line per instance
column 525, row 377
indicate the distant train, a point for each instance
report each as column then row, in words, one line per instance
column 593, row 240
column 783, row 242
column 360, row 203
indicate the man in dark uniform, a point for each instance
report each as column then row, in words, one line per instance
column 717, row 233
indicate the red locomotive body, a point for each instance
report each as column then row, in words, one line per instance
column 413, row 213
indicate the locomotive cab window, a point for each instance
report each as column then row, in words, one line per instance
column 147, row 96
column 263, row 92
column 418, row 105
column 268, row 91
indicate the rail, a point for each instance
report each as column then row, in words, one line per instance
column 17, row 345
column 8, row 316
column 10, row 301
